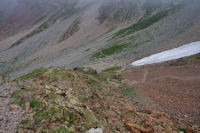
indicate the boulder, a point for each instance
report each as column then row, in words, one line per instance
column 97, row 130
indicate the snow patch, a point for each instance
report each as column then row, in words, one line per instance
column 176, row 53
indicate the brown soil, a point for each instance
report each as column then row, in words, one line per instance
column 173, row 85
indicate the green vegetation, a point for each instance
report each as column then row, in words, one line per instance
column 34, row 74
column 115, row 68
column 57, row 74
column 19, row 93
column 34, row 103
column 21, row 103
column 122, row 45
column 108, row 95
column 111, row 50
column 197, row 57
column 61, row 129
column 24, row 122
column 16, row 94
column 80, row 103
column 182, row 130
column 39, row 116
column 141, row 24
column 49, row 103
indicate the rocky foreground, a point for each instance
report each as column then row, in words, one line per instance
column 59, row 100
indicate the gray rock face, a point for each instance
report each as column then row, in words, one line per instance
column 39, row 46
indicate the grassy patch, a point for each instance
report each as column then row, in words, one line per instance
column 39, row 116
column 33, row 74
column 85, row 99
column 141, row 24
column 60, row 129
column 34, row 103
column 197, row 57
column 108, row 95
column 101, row 76
column 57, row 74
column 115, row 68
column 90, row 119
column 93, row 83
column 19, row 93
column 110, row 50
column 117, row 46
column 24, row 122
column 182, row 130
column 21, row 103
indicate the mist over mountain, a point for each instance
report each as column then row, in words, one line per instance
column 12, row 11
column 69, row 66
column 45, row 31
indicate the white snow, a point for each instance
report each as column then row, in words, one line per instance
column 176, row 53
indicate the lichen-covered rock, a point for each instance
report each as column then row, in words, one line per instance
column 98, row 130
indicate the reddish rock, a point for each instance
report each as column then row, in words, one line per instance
column 27, row 107
column 134, row 128
column 14, row 107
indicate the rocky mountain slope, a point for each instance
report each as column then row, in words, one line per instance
column 66, row 101
column 68, row 63
column 78, row 33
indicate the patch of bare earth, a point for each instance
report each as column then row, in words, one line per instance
column 175, row 86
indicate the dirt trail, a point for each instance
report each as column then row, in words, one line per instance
column 173, row 85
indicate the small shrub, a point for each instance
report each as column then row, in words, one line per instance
column 61, row 129
column 24, row 122
column 182, row 130
column 115, row 68
column 34, row 103
column 21, row 104
column 41, row 116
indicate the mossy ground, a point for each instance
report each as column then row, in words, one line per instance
column 33, row 74
column 64, row 100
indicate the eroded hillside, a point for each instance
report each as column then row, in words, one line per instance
column 78, row 33
column 68, row 63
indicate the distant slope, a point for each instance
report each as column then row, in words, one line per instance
column 77, row 33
